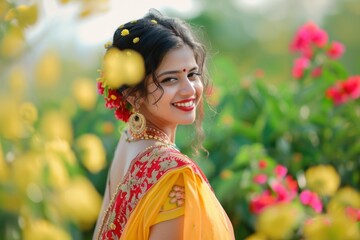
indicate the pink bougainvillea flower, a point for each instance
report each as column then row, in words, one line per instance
column 300, row 64
column 307, row 35
column 343, row 91
column 280, row 171
column 262, row 164
column 316, row 72
column 282, row 193
column 336, row 94
column 260, row 178
column 307, row 52
column 336, row 50
column 352, row 87
column 291, row 184
column 319, row 37
column 311, row 199
column 258, row 203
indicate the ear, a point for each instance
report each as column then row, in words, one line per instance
column 133, row 99
column 129, row 98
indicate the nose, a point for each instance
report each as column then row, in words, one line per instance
column 187, row 87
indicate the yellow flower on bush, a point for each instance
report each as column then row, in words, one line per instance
column 48, row 69
column 322, row 179
column 4, row 172
column 325, row 227
column 90, row 7
column 278, row 221
column 64, row 1
column 12, row 43
column 92, row 152
column 56, row 125
column 4, row 7
column 11, row 124
column 17, row 83
column 28, row 112
column 26, row 169
column 24, row 15
column 44, row 230
column 62, row 149
column 80, row 202
column 344, row 197
column 58, row 175
column 256, row 236
column 84, row 91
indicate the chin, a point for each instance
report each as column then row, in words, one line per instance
column 187, row 121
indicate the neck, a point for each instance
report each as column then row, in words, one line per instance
column 151, row 133
column 169, row 131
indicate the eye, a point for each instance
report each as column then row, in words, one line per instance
column 194, row 75
column 169, row 80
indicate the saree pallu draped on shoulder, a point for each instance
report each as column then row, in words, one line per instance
column 135, row 206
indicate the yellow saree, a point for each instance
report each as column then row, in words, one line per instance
column 142, row 199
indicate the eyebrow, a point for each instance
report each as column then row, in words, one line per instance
column 174, row 72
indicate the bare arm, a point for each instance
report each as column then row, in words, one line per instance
column 171, row 229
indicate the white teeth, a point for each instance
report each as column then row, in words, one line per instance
column 186, row 104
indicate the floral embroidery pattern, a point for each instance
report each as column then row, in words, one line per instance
column 144, row 172
column 177, row 195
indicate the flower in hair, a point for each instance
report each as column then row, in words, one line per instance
column 154, row 21
column 100, row 88
column 108, row 45
column 136, row 40
column 114, row 100
column 122, row 113
column 120, row 68
column 124, row 32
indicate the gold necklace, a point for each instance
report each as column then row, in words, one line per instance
column 151, row 134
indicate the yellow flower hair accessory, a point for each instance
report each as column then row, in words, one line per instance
column 134, row 21
column 124, row 32
column 154, row 21
column 136, row 40
column 121, row 68
column 108, row 45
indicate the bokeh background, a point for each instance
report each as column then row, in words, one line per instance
column 284, row 147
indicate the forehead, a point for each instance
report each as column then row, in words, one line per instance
column 177, row 59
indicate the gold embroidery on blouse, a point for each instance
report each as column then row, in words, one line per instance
column 166, row 161
column 177, row 195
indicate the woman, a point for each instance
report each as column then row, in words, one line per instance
column 154, row 191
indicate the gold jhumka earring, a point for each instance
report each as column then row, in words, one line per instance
column 137, row 124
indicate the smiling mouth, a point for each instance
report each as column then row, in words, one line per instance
column 187, row 105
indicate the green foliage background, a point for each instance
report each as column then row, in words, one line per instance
column 257, row 110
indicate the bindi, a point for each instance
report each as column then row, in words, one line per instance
column 184, row 70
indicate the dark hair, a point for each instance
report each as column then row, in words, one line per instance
column 157, row 36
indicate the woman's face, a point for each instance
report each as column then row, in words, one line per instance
column 179, row 76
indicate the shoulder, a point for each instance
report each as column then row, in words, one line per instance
column 163, row 157
column 161, row 160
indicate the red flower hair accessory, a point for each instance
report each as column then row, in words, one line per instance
column 114, row 100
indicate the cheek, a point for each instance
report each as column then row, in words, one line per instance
column 199, row 88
